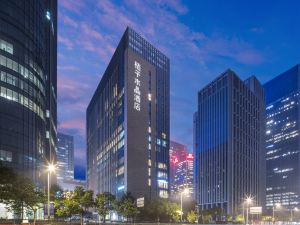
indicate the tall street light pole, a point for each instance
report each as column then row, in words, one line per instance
column 294, row 209
column 185, row 191
column 248, row 201
column 277, row 205
column 51, row 168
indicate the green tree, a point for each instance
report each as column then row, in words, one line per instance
column 239, row 218
column 172, row 211
column 36, row 201
column 156, row 209
column 127, row 207
column 104, row 203
column 192, row 216
column 85, row 200
column 76, row 202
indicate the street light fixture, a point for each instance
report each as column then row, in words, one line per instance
column 294, row 209
column 184, row 192
column 277, row 206
column 248, row 202
column 50, row 169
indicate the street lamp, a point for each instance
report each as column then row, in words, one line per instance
column 184, row 192
column 277, row 205
column 50, row 169
column 248, row 202
column 294, row 209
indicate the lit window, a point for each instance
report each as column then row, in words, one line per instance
column 149, row 162
column 149, row 182
column 149, row 97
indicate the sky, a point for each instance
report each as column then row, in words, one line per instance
column 201, row 38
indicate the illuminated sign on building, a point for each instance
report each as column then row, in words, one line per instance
column 137, row 82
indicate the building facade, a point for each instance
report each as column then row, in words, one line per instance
column 128, row 122
column 28, row 34
column 65, row 159
column 282, row 139
column 229, row 143
column 181, row 170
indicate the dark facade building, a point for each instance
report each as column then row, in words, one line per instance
column 181, row 170
column 229, row 143
column 28, row 33
column 65, row 159
column 128, row 122
column 282, row 139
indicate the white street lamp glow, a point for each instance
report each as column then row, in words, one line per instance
column 51, row 168
column 185, row 191
column 296, row 209
column 278, row 205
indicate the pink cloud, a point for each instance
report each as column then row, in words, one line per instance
column 71, row 5
column 68, row 21
column 65, row 41
column 73, row 124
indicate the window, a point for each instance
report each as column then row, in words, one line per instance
column 6, row 46
column 163, row 194
column 5, row 156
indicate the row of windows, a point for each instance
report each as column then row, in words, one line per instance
column 5, row 156
column 16, row 97
column 11, row 64
column 12, row 80
column 4, row 45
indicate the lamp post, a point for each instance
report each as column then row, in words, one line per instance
column 294, row 209
column 248, row 201
column 277, row 205
column 51, row 168
column 185, row 191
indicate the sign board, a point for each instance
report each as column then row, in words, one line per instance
column 140, row 202
column 256, row 210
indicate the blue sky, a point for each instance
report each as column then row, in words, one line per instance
column 201, row 38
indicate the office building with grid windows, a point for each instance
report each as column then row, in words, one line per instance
column 128, row 123
column 28, row 57
column 229, row 143
column 65, row 160
column 282, row 140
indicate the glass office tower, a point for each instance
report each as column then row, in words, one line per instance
column 28, row 34
column 282, row 139
column 128, row 122
column 65, row 159
column 229, row 142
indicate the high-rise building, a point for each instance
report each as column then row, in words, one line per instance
column 282, row 139
column 230, row 153
column 184, row 176
column 181, row 170
column 28, row 57
column 65, row 159
column 128, row 122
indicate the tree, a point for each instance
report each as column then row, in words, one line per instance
column 36, row 201
column 85, row 200
column 127, row 207
column 192, row 216
column 19, row 193
column 172, row 211
column 104, row 203
column 239, row 218
column 76, row 202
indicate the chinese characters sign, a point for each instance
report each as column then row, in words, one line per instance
column 137, row 90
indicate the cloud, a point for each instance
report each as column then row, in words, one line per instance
column 71, row 5
column 65, row 41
